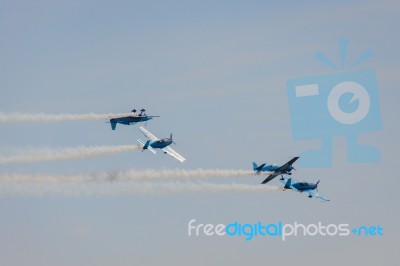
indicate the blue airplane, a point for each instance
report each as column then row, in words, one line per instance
column 156, row 143
column 301, row 187
column 275, row 169
column 131, row 119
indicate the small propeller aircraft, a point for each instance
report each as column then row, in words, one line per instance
column 275, row 169
column 131, row 119
column 301, row 187
column 156, row 143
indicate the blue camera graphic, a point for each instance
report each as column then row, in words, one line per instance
column 341, row 104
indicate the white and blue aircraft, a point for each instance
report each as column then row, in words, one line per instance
column 156, row 143
column 275, row 169
column 131, row 119
column 301, row 187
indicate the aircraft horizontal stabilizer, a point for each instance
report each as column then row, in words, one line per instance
column 146, row 146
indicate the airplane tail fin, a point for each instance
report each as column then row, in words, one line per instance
column 257, row 168
column 288, row 183
column 113, row 124
column 146, row 145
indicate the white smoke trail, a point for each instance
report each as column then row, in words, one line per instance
column 77, row 153
column 131, row 182
column 170, row 174
column 125, row 176
column 41, row 117
column 127, row 189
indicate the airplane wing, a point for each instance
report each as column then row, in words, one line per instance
column 317, row 195
column 148, row 134
column 286, row 165
column 174, row 154
column 270, row 177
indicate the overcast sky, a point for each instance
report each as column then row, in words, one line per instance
column 216, row 73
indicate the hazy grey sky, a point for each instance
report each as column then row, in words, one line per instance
column 216, row 73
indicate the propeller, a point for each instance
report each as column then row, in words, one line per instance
column 170, row 137
column 316, row 186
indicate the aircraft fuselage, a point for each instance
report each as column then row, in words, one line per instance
column 160, row 144
column 129, row 120
column 302, row 186
column 274, row 167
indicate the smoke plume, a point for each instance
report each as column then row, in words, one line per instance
column 77, row 153
column 41, row 117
